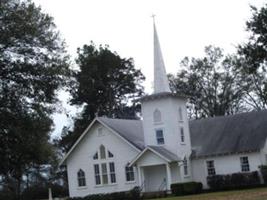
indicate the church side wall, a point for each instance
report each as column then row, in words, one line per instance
column 263, row 153
column 223, row 165
column 82, row 158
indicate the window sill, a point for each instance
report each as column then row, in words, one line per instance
column 130, row 182
column 181, row 121
column 183, row 143
column 186, row 176
column 106, row 185
column 82, row 188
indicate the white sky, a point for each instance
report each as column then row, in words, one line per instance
column 184, row 27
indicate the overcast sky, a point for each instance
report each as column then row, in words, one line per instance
column 184, row 27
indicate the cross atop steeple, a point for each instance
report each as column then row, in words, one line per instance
column 161, row 83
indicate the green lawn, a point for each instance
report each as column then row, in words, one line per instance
column 251, row 194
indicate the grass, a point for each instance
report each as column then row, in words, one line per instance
column 250, row 194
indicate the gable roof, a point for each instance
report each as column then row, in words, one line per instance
column 136, row 139
column 245, row 132
column 164, row 152
column 131, row 130
column 160, row 151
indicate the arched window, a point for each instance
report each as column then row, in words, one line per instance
column 157, row 116
column 105, row 171
column 102, row 152
column 81, row 178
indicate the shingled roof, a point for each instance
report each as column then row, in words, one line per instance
column 131, row 130
column 245, row 132
column 238, row 133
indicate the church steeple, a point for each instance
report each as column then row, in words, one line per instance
column 161, row 83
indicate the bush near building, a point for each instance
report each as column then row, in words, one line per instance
column 133, row 194
column 186, row 188
column 234, row 181
column 263, row 170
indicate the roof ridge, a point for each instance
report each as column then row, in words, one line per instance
column 109, row 118
column 229, row 116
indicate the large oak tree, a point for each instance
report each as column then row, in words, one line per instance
column 33, row 66
column 106, row 86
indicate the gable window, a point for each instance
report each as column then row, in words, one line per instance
column 102, row 152
column 157, row 116
column 180, row 114
column 112, row 172
column 104, row 173
column 81, row 178
column 97, row 175
column 182, row 134
column 159, row 136
column 129, row 173
column 211, row 167
column 110, row 155
column 244, row 164
column 105, row 168
column 185, row 166
column 95, row 157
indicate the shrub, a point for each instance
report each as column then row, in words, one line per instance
column 133, row 194
column 186, row 188
column 263, row 170
column 233, row 181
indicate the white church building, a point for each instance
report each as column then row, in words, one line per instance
column 164, row 147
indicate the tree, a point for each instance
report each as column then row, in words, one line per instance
column 106, row 86
column 253, row 54
column 213, row 86
column 33, row 66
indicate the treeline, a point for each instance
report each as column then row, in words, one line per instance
column 222, row 84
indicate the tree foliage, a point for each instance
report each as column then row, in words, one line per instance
column 254, row 57
column 213, row 86
column 106, row 86
column 33, row 66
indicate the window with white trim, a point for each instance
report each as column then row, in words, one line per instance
column 185, row 166
column 180, row 111
column 104, row 173
column 81, row 178
column 95, row 157
column 104, row 169
column 129, row 171
column 210, row 167
column 244, row 164
column 97, row 174
column 182, row 134
column 102, row 152
column 112, row 172
column 160, row 137
column 110, row 155
column 157, row 116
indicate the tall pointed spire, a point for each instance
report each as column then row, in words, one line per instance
column 161, row 83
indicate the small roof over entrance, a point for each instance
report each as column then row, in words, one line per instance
column 161, row 152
